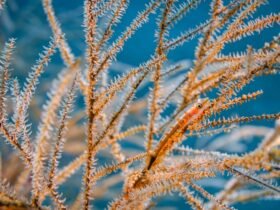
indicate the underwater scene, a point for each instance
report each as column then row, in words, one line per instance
column 139, row 104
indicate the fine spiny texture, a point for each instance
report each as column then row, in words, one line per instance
column 200, row 95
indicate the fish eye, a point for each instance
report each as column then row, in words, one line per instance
column 199, row 105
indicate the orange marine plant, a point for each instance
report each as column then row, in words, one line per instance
column 161, row 164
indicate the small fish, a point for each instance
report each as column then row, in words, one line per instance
column 177, row 131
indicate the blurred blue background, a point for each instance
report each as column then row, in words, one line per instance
column 26, row 21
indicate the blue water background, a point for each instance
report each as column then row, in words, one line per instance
column 26, row 21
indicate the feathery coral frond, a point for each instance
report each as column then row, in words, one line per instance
column 188, row 100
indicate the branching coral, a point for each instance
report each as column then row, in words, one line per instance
column 212, row 86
